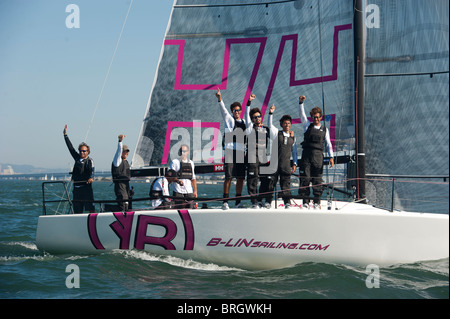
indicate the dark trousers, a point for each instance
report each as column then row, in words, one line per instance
column 82, row 199
column 311, row 171
column 266, row 188
column 268, row 184
column 285, row 185
column 121, row 189
column 252, row 181
column 183, row 200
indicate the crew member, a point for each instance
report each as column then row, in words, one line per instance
column 234, row 141
column 82, row 176
column 121, row 174
column 160, row 189
column 311, row 163
column 186, row 193
column 283, row 148
column 257, row 142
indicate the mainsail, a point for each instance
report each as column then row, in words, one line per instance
column 277, row 50
column 407, row 99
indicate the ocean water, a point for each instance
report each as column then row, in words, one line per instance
column 27, row 273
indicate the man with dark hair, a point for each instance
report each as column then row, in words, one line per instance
column 234, row 141
column 283, row 148
column 311, row 163
column 258, row 136
column 82, row 176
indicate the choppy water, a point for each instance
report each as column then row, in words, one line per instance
column 26, row 272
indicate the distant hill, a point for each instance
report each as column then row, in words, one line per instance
column 29, row 169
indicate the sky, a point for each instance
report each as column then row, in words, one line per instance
column 52, row 74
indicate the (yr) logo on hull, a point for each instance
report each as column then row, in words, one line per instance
column 122, row 228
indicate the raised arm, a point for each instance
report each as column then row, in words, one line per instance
column 247, row 119
column 72, row 150
column 229, row 121
column 118, row 156
column 272, row 128
column 303, row 117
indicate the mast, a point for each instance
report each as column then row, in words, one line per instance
column 358, row 23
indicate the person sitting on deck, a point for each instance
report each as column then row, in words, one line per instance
column 160, row 188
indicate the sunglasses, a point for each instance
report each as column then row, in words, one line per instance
column 83, row 151
column 237, row 110
column 316, row 117
column 256, row 117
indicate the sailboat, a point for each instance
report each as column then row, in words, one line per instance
column 385, row 101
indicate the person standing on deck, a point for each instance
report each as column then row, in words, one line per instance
column 82, row 176
column 258, row 136
column 234, row 148
column 311, row 163
column 186, row 192
column 121, row 174
column 283, row 148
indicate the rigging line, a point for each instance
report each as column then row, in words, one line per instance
column 107, row 73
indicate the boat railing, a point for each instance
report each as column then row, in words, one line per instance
column 65, row 198
column 420, row 193
column 112, row 204
column 423, row 193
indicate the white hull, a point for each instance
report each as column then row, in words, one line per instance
column 356, row 234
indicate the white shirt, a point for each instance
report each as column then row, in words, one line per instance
column 229, row 127
column 118, row 156
column 161, row 184
column 187, row 184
